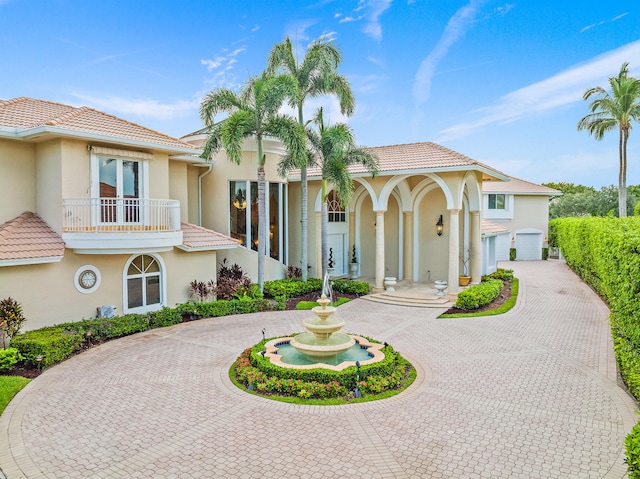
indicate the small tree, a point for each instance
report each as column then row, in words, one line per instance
column 11, row 318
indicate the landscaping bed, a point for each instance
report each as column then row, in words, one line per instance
column 503, row 297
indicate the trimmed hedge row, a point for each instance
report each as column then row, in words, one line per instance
column 479, row 295
column 605, row 253
column 284, row 289
column 57, row 343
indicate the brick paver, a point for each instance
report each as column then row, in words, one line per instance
column 531, row 393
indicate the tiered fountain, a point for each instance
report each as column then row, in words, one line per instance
column 322, row 345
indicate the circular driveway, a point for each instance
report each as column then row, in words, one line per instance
column 531, row 393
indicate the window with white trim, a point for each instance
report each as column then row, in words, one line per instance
column 143, row 283
column 497, row 201
column 335, row 210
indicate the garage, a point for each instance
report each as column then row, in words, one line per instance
column 528, row 245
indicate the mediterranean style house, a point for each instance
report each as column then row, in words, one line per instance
column 95, row 211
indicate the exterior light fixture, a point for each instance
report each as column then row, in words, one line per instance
column 88, row 334
column 240, row 202
column 264, row 330
column 39, row 361
column 439, row 226
column 356, row 391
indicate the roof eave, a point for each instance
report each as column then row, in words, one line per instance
column 28, row 261
column 40, row 131
column 191, row 249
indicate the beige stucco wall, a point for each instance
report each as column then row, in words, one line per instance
column 48, row 295
column 49, row 183
column 531, row 212
column 432, row 250
column 178, row 187
column 17, row 179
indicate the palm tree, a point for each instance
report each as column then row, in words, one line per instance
column 334, row 150
column 253, row 113
column 316, row 75
column 615, row 110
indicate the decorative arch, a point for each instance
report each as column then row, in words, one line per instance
column 474, row 190
column 144, row 283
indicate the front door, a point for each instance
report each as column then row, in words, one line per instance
column 338, row 233
column 119, row 191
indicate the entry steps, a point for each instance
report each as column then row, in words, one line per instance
column 416, row 299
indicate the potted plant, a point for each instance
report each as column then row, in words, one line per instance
column 464, row 279
column 353, row 268
column 331, row 264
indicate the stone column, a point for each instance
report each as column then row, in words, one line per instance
column 454, row 251
column 318, row 244
column 379, row 286
column 475, row 239
column 408, row 245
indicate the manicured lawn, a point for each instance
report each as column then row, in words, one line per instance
column 9, row 387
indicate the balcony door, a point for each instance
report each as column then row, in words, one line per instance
column 120, row 182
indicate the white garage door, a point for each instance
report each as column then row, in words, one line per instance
column 528, row 246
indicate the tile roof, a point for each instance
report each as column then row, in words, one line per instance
column 517, row 186
column 197, row 238
column 415, row 156
column 28, row 113
column 29, row 237
column 491, row 227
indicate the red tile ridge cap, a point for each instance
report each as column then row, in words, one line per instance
column 13, row 101
column 69, row 116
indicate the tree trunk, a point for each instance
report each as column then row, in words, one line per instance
column 262, row 237
column 622, row 175
column 324, row 229
column 304, row 214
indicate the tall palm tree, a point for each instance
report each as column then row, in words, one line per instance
column 253, row 112
column 615, row 110
column 333, row 149
column 316, row 75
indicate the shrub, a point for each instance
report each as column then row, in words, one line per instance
column 545, row 253
column 9, row 357
column 293, row 272
column 632, row 447
column 54, row 344
column 500, row 273
column 202, row 290
column 11, row 317
column 164, row 317
column 512, row 254
column 479, row 295
column 230, row 279
column 351, row 287
column 290, row 288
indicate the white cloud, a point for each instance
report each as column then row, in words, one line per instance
column 140, row 108
column 368, row 11
column 329, row 104
column 602, row 22
column 222, row 67
column 458, row 25
column 557, row 91
column 376, row 61
column 255, row 28
column 297, row 30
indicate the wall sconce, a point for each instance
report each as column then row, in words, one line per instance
column 439, row 226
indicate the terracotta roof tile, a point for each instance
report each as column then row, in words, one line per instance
column 27, row 113
column 517, row 186
column 199, row 238
column 413, row 156
column 490, row 227
column 28, row 236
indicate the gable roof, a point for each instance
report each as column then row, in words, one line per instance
column 27, row 239
column 489, row 227
column 415, row 158
column 197, row 238
column 518, row 187
column 28, row 118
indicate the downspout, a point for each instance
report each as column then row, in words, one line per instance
column 200, row 192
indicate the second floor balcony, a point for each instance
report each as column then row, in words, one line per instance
column 118, row 225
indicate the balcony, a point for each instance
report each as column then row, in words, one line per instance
column 120, row 225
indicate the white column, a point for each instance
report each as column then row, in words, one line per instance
column 408, row 245
column 475, row 238
column 379, row 251
column 454, row 251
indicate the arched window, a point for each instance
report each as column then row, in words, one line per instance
column 335, row 209
column 144, row 284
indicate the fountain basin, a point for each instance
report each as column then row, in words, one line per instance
column 323, row 328
column 373, row 350
column 315, row 345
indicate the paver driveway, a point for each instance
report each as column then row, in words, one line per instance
column 531, row 393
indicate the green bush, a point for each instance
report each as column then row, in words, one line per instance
column 512, row 254
column 9, row 357
column 350, row 287
column 53, row 343
column 479, row 295
column 545, row 253
column 164, row 317
column 500, row 273
column 291, row 287
column 632, row 447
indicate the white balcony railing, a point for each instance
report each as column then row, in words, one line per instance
column 106, row 215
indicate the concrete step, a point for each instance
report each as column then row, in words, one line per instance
column 410, row 298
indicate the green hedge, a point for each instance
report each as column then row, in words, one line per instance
column 9, row 357
column 54, row 344
column 479, row 295
column 605, row 252
column 351, row 287
column 290, row 288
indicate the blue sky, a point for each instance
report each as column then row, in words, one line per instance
column 499, row 81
